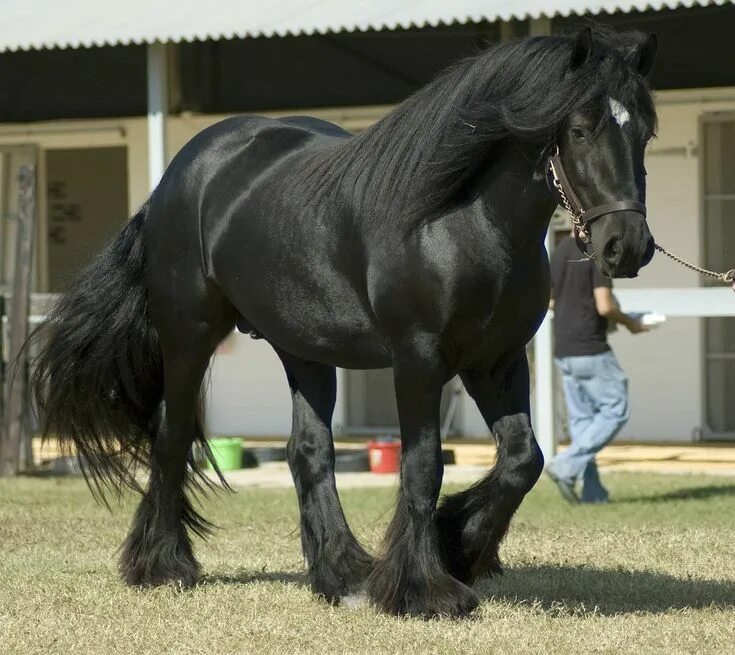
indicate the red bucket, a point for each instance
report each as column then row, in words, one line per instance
column 385, row 456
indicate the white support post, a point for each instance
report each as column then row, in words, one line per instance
column 543, row 361
column 339, row 417
column 543, row 419
column 157, row 111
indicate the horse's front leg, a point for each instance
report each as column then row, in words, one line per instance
column 410, row 577
column 472, row 523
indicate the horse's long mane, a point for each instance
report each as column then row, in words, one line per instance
column 416, row 160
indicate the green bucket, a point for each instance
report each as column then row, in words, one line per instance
column 227, row 452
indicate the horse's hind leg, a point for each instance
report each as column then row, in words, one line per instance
column 337, row 563
column 472, row 523
column 158, row 548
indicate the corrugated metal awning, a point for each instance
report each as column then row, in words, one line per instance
column 40, row 24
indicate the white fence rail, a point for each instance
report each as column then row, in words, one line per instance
column 673, row 303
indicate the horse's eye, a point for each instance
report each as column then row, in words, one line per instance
column 578, row 133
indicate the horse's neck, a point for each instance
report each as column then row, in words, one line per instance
column 514, row 194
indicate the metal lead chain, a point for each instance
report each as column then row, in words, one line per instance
column 728, row 277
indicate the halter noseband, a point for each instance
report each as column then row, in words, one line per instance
column 581, row 217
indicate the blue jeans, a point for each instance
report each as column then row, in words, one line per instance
column 596, row 391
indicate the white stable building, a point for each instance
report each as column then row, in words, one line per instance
column 101, row 96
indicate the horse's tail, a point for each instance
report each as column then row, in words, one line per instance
column 98, row 380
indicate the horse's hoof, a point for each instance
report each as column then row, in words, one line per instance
column 466, row 554
column 176, row 566
column 448, row 598
column 440, row 596
column 342, row 575
column 158, row 577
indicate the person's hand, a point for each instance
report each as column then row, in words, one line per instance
column 636, row 327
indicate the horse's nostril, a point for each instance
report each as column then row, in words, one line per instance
column 613, row 251
column 650, row 251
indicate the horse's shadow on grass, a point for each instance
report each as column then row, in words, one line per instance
column 693, row 493
column 565, row 590
column 249, row 577
column 586, row 590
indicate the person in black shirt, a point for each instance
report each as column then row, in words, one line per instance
column 595, row 387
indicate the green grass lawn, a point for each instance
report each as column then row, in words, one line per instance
column 652, row 572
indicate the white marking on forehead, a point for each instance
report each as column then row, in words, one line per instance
column 619, row 112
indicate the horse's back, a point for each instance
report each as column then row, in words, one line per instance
column 316, row 125
column 243, row 142
column 239, row 132
column 223, row 162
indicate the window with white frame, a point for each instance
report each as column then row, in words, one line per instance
column 719, row 240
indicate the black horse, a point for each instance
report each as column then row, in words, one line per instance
column 418, row 244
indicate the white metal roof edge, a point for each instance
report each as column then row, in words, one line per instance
column 361, row 23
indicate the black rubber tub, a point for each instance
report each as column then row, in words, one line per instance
column 265, row 454
column 249, row 460
column 348, row 460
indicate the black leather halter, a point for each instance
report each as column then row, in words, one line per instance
column 581, row 217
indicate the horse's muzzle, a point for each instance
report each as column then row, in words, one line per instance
column 621, row 258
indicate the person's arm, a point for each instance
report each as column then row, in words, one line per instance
column 607, row 307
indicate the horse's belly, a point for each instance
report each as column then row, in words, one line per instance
column 349, row 340
column 304, row 307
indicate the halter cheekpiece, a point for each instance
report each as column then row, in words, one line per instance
column 581, row 217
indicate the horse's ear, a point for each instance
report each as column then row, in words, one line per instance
column 645, row 55
column 582, row 49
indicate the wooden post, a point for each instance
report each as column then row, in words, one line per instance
column 2, row 369
column 15, row 387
